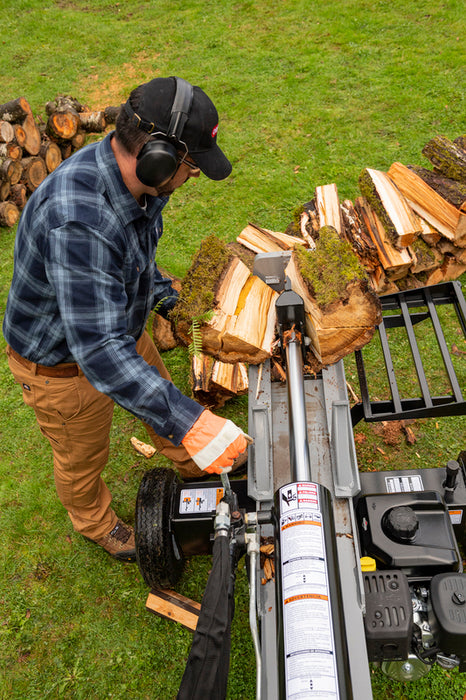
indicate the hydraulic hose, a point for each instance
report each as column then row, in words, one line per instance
column 253, row 552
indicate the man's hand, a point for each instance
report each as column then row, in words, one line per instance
column 214, row 443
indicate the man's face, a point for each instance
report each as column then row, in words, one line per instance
column 185, row 170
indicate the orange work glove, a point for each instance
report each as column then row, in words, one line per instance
column 214, row 443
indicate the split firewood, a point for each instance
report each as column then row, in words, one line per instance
column 261, row 240
column 443, row 216
column 447, row 157
column 223, row 308
column 143, row 448
column 425, row 257
column 50, row 154
column 356, row 233
column 9, row 214
column 445, row 247
column 34, row 172
column 397, row 217
column 342, row 310
column 395, row 261
column 7, row 132
column 453, row 191
column 214, row 382
column 328, row 207
column 450, row 269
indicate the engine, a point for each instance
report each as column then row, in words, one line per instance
column 415, row 590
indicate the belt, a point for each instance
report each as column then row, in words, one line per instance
column 63, row 370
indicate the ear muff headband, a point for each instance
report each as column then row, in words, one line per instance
column 157, row 160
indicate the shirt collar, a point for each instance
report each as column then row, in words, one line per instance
column 123, row 202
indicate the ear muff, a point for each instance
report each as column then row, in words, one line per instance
column 157, row 160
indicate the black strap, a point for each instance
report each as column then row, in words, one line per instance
column 179, row 112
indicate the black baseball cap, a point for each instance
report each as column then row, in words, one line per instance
column 199, row 132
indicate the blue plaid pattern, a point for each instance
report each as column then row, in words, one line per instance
column 85, row 281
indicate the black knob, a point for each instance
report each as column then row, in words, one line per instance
column 452, row 470
column 401, row 523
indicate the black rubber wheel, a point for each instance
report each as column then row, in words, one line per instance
column 159, row 558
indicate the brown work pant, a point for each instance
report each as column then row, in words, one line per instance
column 76, row 420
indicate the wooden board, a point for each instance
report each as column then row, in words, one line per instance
column 173, row 606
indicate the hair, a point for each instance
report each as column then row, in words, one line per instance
column 129, row 136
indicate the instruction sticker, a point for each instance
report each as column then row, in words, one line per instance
column 403, row 484
column 200, row 500
column 310, row 664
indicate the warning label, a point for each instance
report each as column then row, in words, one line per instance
column 203, row 500
column 403, row 484
column 310, row 665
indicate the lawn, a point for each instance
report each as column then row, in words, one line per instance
column 308, row 94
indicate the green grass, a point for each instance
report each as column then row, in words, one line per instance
column 308, row 94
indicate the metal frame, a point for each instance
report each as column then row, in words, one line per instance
column 406, row 303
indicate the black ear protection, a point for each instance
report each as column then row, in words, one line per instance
column 157, row 161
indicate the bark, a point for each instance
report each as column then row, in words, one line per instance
column 452, row 191
column 111, row 114
column 18, row 195
column 5, row 189
column 92, row 121
column 357, row 235
column 447, row 157
column 15, row 111
column 10, row 150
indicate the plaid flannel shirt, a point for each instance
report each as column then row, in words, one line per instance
column 85, row 281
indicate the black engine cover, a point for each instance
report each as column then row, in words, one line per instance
column 409, row 531
column 388, row 621
column 448, row 599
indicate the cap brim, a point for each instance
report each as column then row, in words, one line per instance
column 213, row 163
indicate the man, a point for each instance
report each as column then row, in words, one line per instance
column 84, row 283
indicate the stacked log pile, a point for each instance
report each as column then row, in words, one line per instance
column 31, row 147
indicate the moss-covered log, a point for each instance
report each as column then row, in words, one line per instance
column 342, row 310
column 447, row 157
column 452, row 191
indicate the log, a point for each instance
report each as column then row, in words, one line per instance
column 395, row 261
column 447, row 157
column 92, row 121
column 426, row 258
column 15, row 111
column 20, row 135
column 450, row 269
column 445, row 247
column 18, row 195
column 5, row 189
column 34, row 172
column 7, row 132
column 111, row 114
column 78, row 140
column 33, row 138
column 443, row 216
column 385, row 199
column 342, row 311
column 50, row 154
column 10, row 150
column 233, row 309
column 63, row 125
column 9, row 214
column 10, row 170
column 162, row 333
column 63, row 103
column 453, row 191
